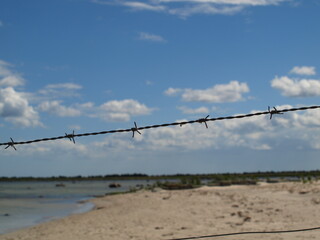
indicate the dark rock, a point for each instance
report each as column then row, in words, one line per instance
column 114, row 185
column 60, row 185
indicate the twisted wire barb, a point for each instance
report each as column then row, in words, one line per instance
column 247, row 233
column 136, row 129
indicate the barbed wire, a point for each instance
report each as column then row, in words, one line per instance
column 134, row 129
column 247, row 233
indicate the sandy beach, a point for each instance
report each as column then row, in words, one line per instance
column 163, row 214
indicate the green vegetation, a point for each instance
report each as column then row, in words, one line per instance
column 193, row 179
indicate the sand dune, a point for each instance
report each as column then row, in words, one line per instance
column 165, row 214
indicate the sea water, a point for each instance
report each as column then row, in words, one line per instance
column 24, row 204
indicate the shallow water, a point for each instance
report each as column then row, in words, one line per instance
column 24, row 204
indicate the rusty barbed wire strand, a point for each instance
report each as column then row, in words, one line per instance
column 247, row 233
column 136, row 129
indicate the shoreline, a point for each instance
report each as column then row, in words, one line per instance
column 55, row 211
column 167, row 214
column 25, row 204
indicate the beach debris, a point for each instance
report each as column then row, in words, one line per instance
column 315, row 200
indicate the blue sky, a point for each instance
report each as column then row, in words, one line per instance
column 93, row 65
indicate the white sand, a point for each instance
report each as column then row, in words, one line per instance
column 208, row 210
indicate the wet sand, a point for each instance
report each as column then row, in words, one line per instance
column 184, row 213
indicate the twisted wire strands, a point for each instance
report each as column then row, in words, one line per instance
column 134, row 129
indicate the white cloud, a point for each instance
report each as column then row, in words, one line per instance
column 61, row 90
column 16, row 109
column 296, row 88
column 85, row 106
column 200, row 110
column 4, row 69
column 197, row 137
column 228, row 2
column 114, row 111
column 9, row 78
column 1, row 24
column 133, row 5
column 122, row 110
column 303, row 70
column 185, row 8
column 151, row 37
column 14, row 106
column 142, row 6
column 205, row 9
column 173, row 91
column 64, row 86
column 231, row 92
column 11, row 81
column 58, row 149
column 149, row 83
column 55, row 108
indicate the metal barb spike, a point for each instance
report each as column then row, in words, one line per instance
column 274, row 111
column 71, row 137
column 11, row 144
column 135, row 129
column 181, row 124
column 204, row 120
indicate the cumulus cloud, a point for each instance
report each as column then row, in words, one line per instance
column 8, row 78
column 14, row 105
column 303, row 70
column 296, row 88
column 114, row 111
column 200, row 110
column 55, row 108
column 11, row 81
column 220, row 93
column 151, row 37
column 185, row 8
column 122, row 110
column 16, row 109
